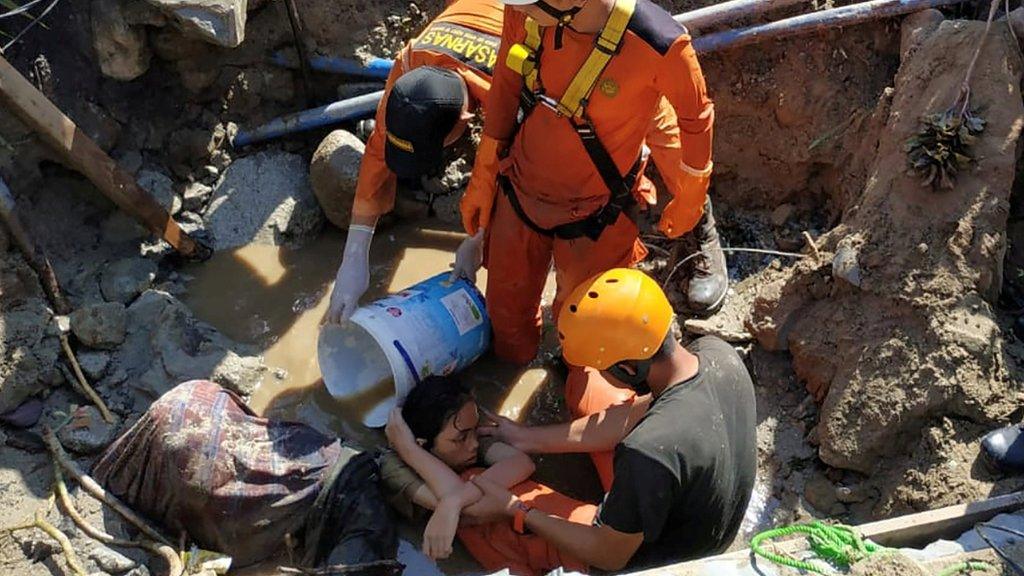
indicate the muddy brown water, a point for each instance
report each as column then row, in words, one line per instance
column 276, row 297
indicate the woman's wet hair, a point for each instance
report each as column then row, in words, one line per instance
column 431, row 403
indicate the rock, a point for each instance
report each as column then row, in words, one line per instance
column 821, row 494
column 195, row 196
column 173, row 45
column 95, row 122
column 24, row 416
column 916, row 27
column 29, row 351
column 1016, row 19
column 110, row 561
column 130, row 161
column 125, row 279
column 94, row 363
column 196, row 76
column 220, row 22
column 143, row 14
column 140, row 571
column 334, row 172
column 782, row 214
column 162, row 188
column 121, row 48
column 100, row 325
column 265, row 199
column 119, row 227
column 852, row 494
column 845, row 265
column 87, row 433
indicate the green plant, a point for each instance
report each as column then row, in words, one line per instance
column 941, row 148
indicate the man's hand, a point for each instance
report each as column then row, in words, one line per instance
column 504, row 429
column 469, row 257
column 440, row 531
column 497, row 504
column 397, row 431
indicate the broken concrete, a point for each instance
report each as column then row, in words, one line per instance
column 265, row 198
column 220, row 22
column 334, row 173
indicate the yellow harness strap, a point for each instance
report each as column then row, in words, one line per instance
column 606, row 46
column 532, row 43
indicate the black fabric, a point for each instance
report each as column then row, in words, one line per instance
column 684, row 475
column 350, row 522
column 655, row 26
column 422, row 109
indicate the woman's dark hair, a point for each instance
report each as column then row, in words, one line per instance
column 431, row 403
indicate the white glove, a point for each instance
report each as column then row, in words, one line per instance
column 469, row 257
column 353, row 275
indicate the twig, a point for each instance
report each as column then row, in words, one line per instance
column 93, row 487
column 814, row 247
column 174, row 566
column 965, row 86
column 39, row 521
column 29, row 27
column 82, row 382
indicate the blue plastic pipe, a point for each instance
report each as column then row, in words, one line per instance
column 343, row 111
column 377, row 68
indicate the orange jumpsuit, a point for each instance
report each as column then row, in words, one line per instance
column 555, row 180
column 464, row 38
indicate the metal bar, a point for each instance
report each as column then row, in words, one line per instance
column 726, row 12
column 377, row 68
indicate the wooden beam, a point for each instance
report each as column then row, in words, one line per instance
column 82, row 154
column 902, row 531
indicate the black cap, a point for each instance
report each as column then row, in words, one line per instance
column 422, row 109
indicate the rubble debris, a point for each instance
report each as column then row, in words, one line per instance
column 121, row 49
column 24, row 416
column 94, row 363
column 28, row 347
column 125, row 279
column 220, row 22
column 100, row 325
column 334, row 173
column 265, row 198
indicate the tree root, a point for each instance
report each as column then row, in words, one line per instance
column 82, row 382
column 175, row 567
column 97, row 491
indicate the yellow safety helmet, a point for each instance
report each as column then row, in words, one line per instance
column 618, row 315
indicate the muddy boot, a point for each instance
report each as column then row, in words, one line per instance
column 1003, row 449
column 710, row 280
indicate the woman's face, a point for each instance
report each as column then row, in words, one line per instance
column 456, row 445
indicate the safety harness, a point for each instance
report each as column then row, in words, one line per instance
column 525, row 59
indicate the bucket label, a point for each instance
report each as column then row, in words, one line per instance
column 463, row 310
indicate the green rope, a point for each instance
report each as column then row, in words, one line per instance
column 967, row 568
column 838, row 544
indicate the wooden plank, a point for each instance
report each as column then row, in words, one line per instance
column 902, row 531
column 82, row 154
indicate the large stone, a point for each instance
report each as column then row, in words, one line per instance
column 125, row 279
column 160, row 187
column 121, row 48
column 29, row 350
column 100, row 325
column 87, row 433
column 220, row 22
column 94, row 363
column 265, row 198
column 334, row 172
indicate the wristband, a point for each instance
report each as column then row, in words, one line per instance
column 360, row 228
column 519, row 520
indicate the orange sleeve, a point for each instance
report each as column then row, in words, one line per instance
column 680, row 79
column 503, row 99
column 663, row 136
column 375, row 190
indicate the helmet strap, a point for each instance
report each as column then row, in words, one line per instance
column 636, row 378
column 564, row 18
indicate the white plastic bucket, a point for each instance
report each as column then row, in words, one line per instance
column 432, row 328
